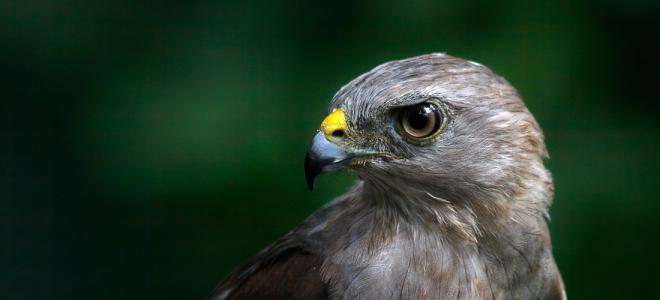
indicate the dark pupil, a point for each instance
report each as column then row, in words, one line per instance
column 419, row 117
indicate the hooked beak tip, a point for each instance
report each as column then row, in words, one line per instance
column 312, row 169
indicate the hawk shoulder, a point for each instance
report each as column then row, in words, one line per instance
column 285, row 270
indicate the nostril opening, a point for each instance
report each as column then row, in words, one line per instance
column 338, row 133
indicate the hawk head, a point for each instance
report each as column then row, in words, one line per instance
column 434, row 128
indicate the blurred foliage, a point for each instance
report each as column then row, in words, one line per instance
column 150, row 147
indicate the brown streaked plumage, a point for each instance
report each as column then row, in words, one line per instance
column 451, row 201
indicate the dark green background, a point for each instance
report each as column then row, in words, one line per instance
column 147, row 148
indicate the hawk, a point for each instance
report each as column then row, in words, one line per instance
column 451, row 202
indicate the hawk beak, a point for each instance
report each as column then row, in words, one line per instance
column 324, row 155
column 329, row 151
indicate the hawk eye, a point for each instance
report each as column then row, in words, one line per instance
column 421, row 121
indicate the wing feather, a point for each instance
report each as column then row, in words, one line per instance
column 284, row 270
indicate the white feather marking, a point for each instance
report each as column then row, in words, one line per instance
column 475, row 63
column 437, row 198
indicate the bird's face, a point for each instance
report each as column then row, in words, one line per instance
column 429, row 121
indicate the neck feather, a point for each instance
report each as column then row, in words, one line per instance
column 465, row 214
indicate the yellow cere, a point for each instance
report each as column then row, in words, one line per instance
column 334, row 121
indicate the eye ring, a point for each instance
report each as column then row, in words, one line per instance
column 421, row 122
